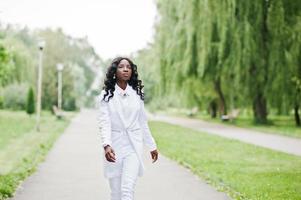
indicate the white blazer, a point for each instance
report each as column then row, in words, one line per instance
column 112, row 124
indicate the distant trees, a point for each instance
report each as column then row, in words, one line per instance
column 235, row 53
column 6, row 66
column 18, row 65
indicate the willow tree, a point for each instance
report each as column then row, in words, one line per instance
column 217, row 46
column 247, row 50
column 284, row 24
column 253, row 72
column 171, row 42
column 295, row 66
column 292, row 54
column 192, row 42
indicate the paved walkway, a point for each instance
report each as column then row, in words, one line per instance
column 276, row 142
column 73, row 171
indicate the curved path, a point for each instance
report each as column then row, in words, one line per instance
column 73, row 171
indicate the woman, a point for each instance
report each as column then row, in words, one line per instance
column 123, row 127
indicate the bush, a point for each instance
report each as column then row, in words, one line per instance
column 14, row 96
column 1, row 98
column 30, row 105
column 1, row 102
column 69, row 104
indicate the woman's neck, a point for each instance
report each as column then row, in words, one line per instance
column 122, row 84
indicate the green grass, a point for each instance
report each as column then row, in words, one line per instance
column 22, row 148
column 242, row 170
column 281, row 125
column 11, row 128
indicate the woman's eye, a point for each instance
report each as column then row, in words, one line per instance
column 127, row 66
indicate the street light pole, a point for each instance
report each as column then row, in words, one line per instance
column 39, row 92
column 60, row 68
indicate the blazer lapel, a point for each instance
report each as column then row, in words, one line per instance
column 119, row 111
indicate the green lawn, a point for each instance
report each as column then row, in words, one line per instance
column 282, row 125
column 22, row 148
column 242, row 170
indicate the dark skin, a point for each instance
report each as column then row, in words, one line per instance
column 123, row 75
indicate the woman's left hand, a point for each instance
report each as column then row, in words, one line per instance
column 154, row 155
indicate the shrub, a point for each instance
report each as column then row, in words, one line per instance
column 30, row 104
column 1, row 102
column 14, row 96
column 69, row 104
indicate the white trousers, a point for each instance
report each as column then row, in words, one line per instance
column 122, row 187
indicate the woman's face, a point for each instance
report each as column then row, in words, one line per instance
column 124, row 71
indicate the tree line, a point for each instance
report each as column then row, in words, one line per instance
column 19, row 65
column 222, row 55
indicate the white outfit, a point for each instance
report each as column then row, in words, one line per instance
column 122, row 187
column 123, row 125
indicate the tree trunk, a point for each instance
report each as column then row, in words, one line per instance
column 297, row 116
column 259, row 101
column 222, row 101
column 213, row 108
column 260, row 109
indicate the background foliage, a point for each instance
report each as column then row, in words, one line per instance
column 19, row 60
column 236, row 54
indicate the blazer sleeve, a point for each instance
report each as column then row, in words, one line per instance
column 147, row 136
column 104, row 120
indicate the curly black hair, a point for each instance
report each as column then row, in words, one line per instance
column 109, row 82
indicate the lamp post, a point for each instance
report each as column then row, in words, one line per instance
column 59, row 68
column 41, row 46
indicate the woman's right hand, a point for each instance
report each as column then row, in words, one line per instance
column 109, row 153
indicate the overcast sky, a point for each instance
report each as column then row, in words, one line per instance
column 113, row 27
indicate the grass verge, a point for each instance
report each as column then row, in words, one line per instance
column 22, row 148
column 244, row 171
